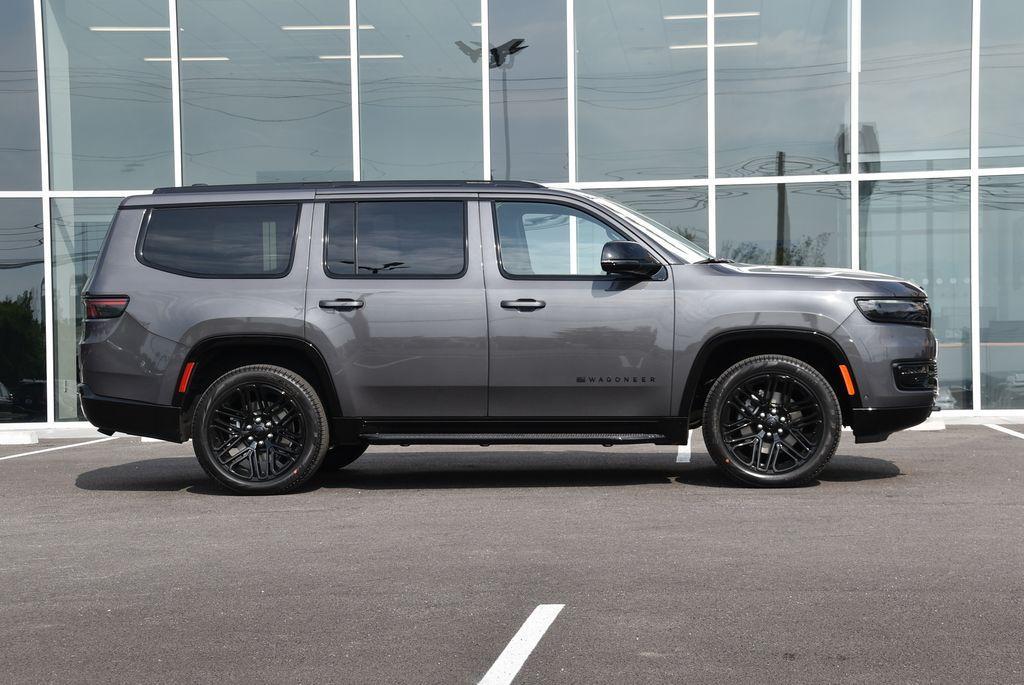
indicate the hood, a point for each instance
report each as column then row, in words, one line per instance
column 826, row 278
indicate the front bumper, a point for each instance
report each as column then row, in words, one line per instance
column 110, row 415
column 871, row 424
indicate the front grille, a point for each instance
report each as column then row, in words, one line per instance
column 919, row 375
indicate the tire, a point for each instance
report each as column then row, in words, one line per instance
column 772, row 421
column 340, row 456
column 260, row 430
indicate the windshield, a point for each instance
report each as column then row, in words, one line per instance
column 686, row 251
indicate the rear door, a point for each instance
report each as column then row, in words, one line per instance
column 566, row 339
column 395, row 302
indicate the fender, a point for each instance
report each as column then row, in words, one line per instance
column 740, row 335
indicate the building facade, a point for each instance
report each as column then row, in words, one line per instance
column 885, row 135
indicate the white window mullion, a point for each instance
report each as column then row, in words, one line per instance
column 485, row 86
column 854, row 136
column 353, row 65
column 44, row 167
column 975, row 207
column 712, row 163
column 570, row 74
column 172, row 17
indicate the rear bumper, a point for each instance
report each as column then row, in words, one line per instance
column 110, row 414
column 871, row 424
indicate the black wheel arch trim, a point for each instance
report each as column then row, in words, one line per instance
column 746, row 334
column 304, row 347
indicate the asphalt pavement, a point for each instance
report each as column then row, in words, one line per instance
column 120, row 562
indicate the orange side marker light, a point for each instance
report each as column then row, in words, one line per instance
column 186, row 376
column 847, row 379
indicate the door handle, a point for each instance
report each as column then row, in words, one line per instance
column 343, row 304
column 522, row 304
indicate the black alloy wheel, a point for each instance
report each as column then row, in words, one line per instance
column 260, row 429
column 256, row 431
column 772, row 420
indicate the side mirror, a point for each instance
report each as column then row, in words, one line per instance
column 631, row 259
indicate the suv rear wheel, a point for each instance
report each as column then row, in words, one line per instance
column 772, row 420
column 260, row 429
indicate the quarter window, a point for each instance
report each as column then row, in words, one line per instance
column 404, row 238
column 236, row 241
column 546, row 239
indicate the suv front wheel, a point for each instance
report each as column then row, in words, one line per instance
column 260, row 430
column 772, row 420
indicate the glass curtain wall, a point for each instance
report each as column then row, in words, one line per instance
column 612, row 98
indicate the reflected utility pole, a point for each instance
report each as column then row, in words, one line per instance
column 500, row 57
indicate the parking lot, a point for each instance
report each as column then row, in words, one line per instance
column 121, row 562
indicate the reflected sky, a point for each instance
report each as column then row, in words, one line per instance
column 1002, row 83
column 109, row 108
column 266, row 96
column 915, row 84
column 19, row 108
column 641, row 90
column 783, row 86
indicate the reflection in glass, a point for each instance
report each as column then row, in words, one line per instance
column 641, row 88
column 1002, row 292
column 545, row 239
column 915, row 85
column 19, row 99
column 684, row 210
column 419, row 91
column 529, row 119
column 79, row 227
column 798, row 224
column 108, row 94
column 1002, row 83
column 783, row 87
column 22, row 343
column 920, row 230
column 265, row 91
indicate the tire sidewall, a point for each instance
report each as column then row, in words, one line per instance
column 814, row 381
column 305, row 399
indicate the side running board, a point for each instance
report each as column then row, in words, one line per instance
column 512, row 438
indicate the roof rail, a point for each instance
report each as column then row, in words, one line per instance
column 343, row 185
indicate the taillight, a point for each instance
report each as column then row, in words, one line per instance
column 105, row 306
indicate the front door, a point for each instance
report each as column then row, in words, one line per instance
column 395, row 303
column 566, row 339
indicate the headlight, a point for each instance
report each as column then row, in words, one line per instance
column 913, row 312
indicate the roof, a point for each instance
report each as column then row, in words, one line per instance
column 345, row 185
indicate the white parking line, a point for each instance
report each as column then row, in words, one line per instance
column 512, row 659
column 999, row 428
column 61, row 447
column 683, row 453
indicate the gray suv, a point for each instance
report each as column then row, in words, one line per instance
column 286, row 327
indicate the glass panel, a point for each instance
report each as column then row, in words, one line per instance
column 915, row 90
column 79, row 228
column 529, row 110
column 109, row 94
column 1002, row 292
column 543, row 239
column 641, row 81
column 783, row 87
column 683, row 210
column 397, row 238
column 1002, row 83
column 920, row 230
column 19, row 99
column 22, row 331
column 265, row 91
column 419, row 91
column 227, row 241
column 799, row 224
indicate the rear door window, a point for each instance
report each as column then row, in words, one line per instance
column 226, row 241
column 407, row 238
